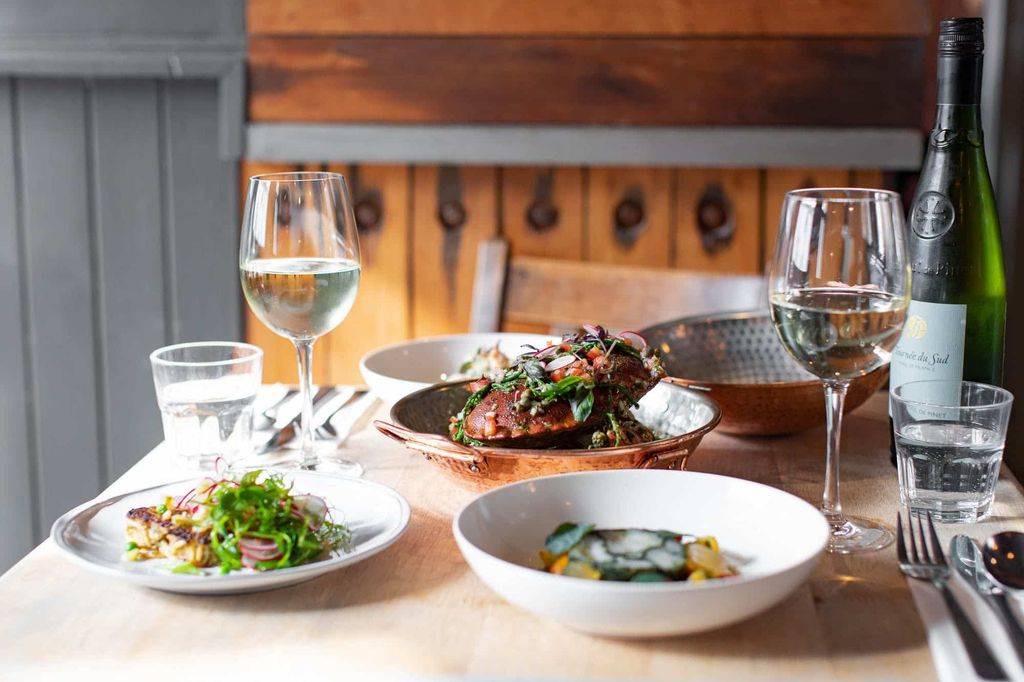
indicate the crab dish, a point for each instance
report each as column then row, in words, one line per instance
column 576, row 393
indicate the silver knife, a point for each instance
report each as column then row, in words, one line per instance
column 290, row 430
column 350, row 417
column 970, row 565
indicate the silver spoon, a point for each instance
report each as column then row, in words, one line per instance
column 1004, row 558
column 970, row 564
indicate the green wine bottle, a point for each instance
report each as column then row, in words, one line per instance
column 957, row 315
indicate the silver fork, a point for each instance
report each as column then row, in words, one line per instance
column 932, row 566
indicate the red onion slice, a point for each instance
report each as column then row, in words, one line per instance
column 635, row 340
column 560, row 362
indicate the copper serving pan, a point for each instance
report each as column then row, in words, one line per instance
column 740, row 362
column 420, row 422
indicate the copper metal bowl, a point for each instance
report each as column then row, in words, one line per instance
column 420, row 422
column 738, row 359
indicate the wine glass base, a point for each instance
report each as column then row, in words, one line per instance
column 335, row 465
column 855, row 534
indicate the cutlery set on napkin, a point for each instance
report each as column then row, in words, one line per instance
column 338, row 411
column 972, row 619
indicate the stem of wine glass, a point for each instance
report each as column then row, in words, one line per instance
column 835, row 396
column 304, row 349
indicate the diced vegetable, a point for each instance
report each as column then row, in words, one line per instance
column 565, row 536
column 632, row 554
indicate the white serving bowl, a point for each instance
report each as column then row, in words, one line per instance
column 772, row 537
column 394, row 372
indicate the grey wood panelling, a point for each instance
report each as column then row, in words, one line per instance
column 56, row 224
column 118, row 234
column 120, row 131
column 16, row 519
column 128, row 271
column 117, row 19
column 203, row 218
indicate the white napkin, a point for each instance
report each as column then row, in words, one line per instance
column 948, row 651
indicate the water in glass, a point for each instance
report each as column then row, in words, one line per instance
column 949, row 444
column 209, row 418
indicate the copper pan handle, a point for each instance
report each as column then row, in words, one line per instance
column 438, row 446
column 687, row 384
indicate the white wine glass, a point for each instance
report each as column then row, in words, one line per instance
column 299, row 262
column 839, row 287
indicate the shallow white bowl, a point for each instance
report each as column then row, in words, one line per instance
column 773, row 538
column 394, row 372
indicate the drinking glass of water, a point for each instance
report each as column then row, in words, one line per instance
column 206, row 393
column 839, row 287
column 949, row 444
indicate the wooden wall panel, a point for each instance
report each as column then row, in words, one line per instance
column 587, row 81
column 542, row 190
column 778, row 182
column 648, row 243
column 202, row 248
column 20, row 526
column 737, row 194
column 868, row 178
column 61, row 333
column 121, row 232
column 589, row 17
column 444, row 259
column 128, row 266
column 382, row 313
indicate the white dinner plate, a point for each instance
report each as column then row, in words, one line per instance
column 772, row 537
column 94, row 535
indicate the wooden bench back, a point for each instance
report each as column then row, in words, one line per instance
column 555, row 295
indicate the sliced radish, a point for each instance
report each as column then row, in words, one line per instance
column 560, row 362
column 311, row 508
column 262, row 557
column 633, row 339
column 250, row 562
column 258, row 549
column 545, row 352
column 594, row 330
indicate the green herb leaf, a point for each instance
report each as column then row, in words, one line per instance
column 130, row 546
column 582, row 404
column 186, row 569
column 624, row 391
column 566, row 536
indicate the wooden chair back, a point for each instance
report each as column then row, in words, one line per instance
column 550, row 295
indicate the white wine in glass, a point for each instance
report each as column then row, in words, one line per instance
column 839, row 287
column 301, row 298
column 299, row 262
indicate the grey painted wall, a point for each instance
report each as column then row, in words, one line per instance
column 118, row 234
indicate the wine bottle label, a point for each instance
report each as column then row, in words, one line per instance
column 932, row 344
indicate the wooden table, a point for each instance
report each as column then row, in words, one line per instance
column 417, row 610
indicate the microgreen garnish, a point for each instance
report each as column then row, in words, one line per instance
column 262, row 525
